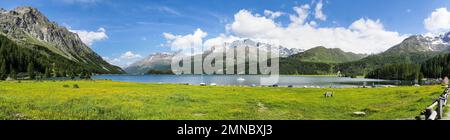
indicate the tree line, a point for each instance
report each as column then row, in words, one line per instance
column 34, row 61
column 436, row 67
column 396, row 72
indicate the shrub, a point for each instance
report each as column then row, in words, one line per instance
column 66, row 86
column 76, row 86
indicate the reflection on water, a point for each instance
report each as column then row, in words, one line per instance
column 249, row 80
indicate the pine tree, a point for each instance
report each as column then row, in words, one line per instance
column 30, row 70
column 2, row 70
column 54, row 70
column 88, row 75
column 85, row 75
column 420, row 79
column 63, row 73
column 13, row 74
column 72, row 75
column 47, row 73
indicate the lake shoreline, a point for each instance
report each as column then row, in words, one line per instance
column 251, row 80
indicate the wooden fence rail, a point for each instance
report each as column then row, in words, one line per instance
column 436, row 110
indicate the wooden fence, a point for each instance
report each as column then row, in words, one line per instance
column 436, row 110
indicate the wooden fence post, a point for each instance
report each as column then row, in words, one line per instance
column 445, row 99
column 441, row 102
column 428, row 112
column 433, row 115
column 440, row 108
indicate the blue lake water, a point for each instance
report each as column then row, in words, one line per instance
column 249, row 80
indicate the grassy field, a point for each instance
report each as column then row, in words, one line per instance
column 107, row 100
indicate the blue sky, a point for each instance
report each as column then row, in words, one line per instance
column 137, row 26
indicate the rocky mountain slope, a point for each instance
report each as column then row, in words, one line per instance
column 156, row 61
column 30, row 28
column 284, row 52
column 420, row 43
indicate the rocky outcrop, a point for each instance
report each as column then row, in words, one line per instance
column 422, row 43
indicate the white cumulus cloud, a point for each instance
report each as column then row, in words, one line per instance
column 220, row 40
column 302, row 12
column 362, row 36
column 90, row 37
column 124, row 59
column 194, row 40
column 246, row 24
column 130, row 55
column 272, row 14
column 438, row 21
column 318, row 14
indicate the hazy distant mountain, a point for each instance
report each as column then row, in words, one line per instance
column 161, row 61
column 156, row 61
column 325, row 55
column 29, row 28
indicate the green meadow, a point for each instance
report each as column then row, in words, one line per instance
column 108, row 100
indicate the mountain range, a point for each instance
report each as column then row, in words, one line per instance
column 320, row 60
column 29, row 29
column 413, row 50
column 161, row 61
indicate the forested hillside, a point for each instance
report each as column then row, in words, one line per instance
column 34, row 61
column 326, row 55
column 436, row 67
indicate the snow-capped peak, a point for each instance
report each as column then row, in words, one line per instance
column 284, row 52
column 437, row 39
